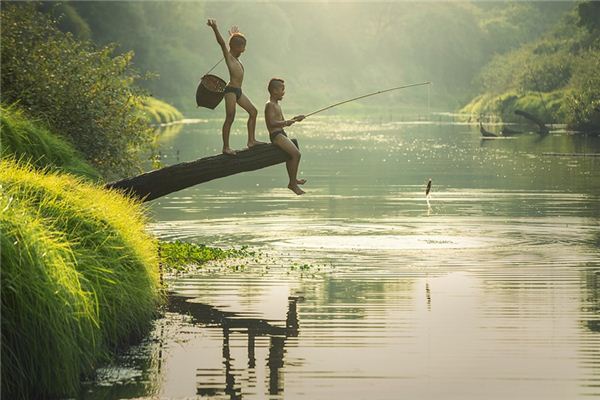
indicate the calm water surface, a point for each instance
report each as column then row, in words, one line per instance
column 491, row 292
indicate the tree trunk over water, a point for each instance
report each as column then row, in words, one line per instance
column 160, row 182
column 543, row 128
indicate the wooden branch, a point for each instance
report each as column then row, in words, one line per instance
column 543, row 128
column 160, row 182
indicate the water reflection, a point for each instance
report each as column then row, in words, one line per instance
column 491, row 292
column 207, row 315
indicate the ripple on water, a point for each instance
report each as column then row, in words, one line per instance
column 386, row 242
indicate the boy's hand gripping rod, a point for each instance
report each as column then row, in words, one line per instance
column 366, row 95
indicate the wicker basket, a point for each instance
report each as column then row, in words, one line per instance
column 210, row 91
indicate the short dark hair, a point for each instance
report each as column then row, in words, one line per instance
column 237, row 39
column 273, row 83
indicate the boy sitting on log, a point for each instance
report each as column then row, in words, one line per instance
column 275, row 124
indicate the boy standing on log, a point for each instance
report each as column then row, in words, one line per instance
column 275, row 124
column 233, row 90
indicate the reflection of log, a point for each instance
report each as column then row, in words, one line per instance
column 161, row 182
column 543, row 128
column 506, row 131
column 209, row 315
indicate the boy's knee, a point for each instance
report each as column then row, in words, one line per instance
column 229, row 117
column 253, row 112
column 296, row 155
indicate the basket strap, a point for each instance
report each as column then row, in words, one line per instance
column 215, row 66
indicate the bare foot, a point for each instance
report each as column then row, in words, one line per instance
column 300, row 181
column 254, row 143
column 296, row 189
column 229, row 151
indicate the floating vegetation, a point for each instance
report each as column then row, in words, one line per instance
column 179, row 257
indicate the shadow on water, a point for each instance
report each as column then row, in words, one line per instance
column 229, row 322
column 138, row 372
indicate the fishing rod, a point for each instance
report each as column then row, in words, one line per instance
column 366, row 95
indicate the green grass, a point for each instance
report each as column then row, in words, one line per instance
column 80, row 277
column 159, row 112
column 30, row 142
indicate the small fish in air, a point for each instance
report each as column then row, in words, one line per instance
column 428, row 188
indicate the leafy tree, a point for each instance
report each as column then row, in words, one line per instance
column 81, row 91
column 163, row 35
column 589, row 16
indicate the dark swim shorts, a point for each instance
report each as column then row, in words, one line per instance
column 236, row 90
column 274, row 134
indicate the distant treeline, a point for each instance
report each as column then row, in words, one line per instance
column 326, row 51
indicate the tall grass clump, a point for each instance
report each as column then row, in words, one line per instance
column 32, row 143
column 159, row 112
column 80, row 278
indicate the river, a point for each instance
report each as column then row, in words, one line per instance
column 360, row 289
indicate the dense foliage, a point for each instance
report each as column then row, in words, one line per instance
column 162, row 34
column 77, row 89
column 79, row 277
column 559, row 73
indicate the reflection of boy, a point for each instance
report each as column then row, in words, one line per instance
column 275, row 123
column 233, row 90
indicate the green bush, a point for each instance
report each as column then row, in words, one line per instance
column 79, row 91
column 32, row 143
column 79, row 277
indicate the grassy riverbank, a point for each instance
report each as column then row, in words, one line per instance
column 34, row 144
column 549, row 107
column 159, row 112
column 80, row 275
column 79, row 278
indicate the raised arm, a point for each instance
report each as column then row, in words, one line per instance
column 213, row 24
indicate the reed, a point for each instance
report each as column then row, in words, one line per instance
column 80, row 278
